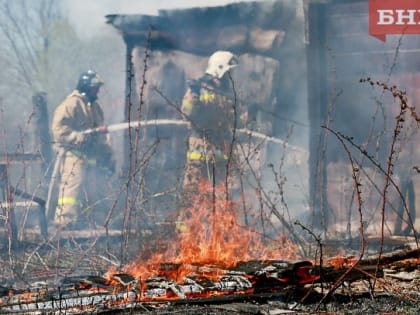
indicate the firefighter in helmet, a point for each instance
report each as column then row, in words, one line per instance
column 209, row 105
column 82, row 154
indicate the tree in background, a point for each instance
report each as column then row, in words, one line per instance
column 41, row 51
column 28, row 31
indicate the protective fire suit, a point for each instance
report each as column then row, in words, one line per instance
column 83, row 155
column 210, row 112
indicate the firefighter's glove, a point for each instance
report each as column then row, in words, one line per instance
column 79, row 137
column 195, row 86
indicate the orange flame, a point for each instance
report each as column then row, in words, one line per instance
column 211, row 235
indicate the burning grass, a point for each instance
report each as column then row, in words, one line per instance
column 211, row 234
column 215, row 259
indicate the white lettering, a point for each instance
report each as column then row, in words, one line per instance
column 399, row 17
column 386, row 17
column 402, row 15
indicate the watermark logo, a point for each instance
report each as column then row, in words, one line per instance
column 393, row 17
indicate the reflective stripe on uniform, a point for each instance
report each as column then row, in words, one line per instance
column 207, row 97
column 67, row 201
column 192, row 155
column 187, row 106
column 198, row 156
column 91, row 162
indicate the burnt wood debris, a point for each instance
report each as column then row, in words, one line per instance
column 254, row 282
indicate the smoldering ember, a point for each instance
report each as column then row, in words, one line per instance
column 264, row 161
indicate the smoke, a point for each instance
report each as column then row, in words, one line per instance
column 88, row 19
column 88, row 16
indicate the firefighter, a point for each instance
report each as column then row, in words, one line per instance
column 82, row 154
column 210, row 107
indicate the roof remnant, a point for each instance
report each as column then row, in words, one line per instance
column 248, row 27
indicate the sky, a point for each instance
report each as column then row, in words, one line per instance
column 88, row 16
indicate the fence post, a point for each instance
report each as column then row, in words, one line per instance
column 41, row 131
column 42, row 143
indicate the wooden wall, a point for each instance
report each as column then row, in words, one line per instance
column 341, row 53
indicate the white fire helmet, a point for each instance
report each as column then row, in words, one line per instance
column 220, row 62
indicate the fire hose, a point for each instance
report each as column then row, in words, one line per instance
column 50, row 205
column 50, row 209
column 156, row 122
column 136, row 124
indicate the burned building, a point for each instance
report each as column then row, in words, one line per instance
column 326, row 148
column 312, row 75
column 167, row 50
column 305, row 68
